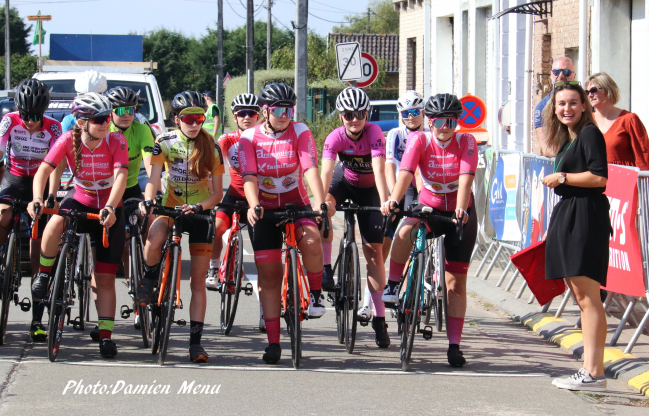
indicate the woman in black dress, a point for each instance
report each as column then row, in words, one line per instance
column 579, row 231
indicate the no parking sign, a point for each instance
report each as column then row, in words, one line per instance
column 474, row 114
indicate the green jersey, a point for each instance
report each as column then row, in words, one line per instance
column 140, row 143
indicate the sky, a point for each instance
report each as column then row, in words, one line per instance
column 191, row 17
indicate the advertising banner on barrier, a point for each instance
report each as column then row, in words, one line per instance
column 625, row 273
column 538, row 200
column 483, row 176
column 503, row 194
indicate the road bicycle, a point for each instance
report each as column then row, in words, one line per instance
column 74, row 267
column 347, row 293
column 295, row 286
column 166, row 296
column 411, row 306
column 10, row 271
column 435, row 293
column 231, row 272
column 136, row 269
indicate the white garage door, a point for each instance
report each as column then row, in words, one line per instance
column 639, row 61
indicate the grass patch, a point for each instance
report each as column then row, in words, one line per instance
column 473, row 323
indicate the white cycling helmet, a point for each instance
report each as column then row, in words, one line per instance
column 409, row 100
column 91, row 81
column 352, row 99
column 245, row 100
column 91, row 105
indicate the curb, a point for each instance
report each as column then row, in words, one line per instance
column 617, row 365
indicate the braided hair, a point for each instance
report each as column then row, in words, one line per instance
column 76, row 147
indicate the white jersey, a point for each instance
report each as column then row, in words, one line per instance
column 396, row 145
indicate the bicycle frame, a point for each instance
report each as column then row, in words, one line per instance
column 303, row 284
column 175, row 241
column 420, row 247
column 234, row 228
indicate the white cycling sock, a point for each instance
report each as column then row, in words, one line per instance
column 215, row 263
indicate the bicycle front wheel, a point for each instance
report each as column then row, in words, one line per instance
column 410, row 312
column 231, row 289
column 156, row 318
column 440, row 294
column 294, row 310
column 8, row 275
column 57, row 304
column 136, row 273
column 351, row 295
column 429, row 285
column 83, row 281
column 168, row 306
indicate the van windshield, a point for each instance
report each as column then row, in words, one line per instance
column 147, row 110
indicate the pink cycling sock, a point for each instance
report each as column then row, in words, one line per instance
column 455, row 326
column 272, row 330
column 326, row 248
column 315, row 280
column 379, row 306
column 396, row 270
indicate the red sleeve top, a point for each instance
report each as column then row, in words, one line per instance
column 627, row 142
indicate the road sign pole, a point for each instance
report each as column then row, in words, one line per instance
column 301, row 45
column 7, row 51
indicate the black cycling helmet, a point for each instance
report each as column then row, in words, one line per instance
column 32, row 97
column 277, row 94
column 210, row 94
column 187, row 99
column 443, row 105
column 123, row 97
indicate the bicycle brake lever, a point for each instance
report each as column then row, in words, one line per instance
column 386, row 222
column 325, row 219
column 50, row 201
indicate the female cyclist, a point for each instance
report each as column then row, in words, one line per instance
column 28, row 135
column 246, row 114
column 189, row 156
column 447, row 162
column 360, row 177
column 273, row 158
column 100, row 161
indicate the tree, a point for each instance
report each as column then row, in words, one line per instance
column 321, row 62
column 18, row 33
column 383, row 19
column 22, row 67
column 169, row 50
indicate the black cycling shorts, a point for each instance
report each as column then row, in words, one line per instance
column 116, row 236
column 411, row 195
column 198, row 230
column 227, row 212
column 134, row 192
column 370, row 224
column 21, row 188
column 265, row 235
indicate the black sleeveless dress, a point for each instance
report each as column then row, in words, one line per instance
column 580, row 228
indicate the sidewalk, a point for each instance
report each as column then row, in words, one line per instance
column 630, row 368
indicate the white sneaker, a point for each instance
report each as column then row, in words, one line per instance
column 581, row 381
column 316, row 307
column 390, row 294
column 136, row 322
column 365, row 313
column 212, row 280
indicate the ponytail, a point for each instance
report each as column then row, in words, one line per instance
column 76, row 147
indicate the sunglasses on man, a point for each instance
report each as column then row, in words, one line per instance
column 557, row 72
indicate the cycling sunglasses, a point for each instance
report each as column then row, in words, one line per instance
column 561, row 84
column 557, row 72
column 121, row 111
column 100, row 119
column 282, row 111
column 193, row 118
column 439, row 123
column 351, row 115
column 247, row 113
column 415, row 112
column 34, row 117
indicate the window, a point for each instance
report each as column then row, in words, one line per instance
column 411, row 64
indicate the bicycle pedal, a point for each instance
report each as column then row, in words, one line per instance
column 76, row 323
column 331, row 299
column 427, row 332
column 180, row 322
column 248, row 289
column 393, row 313
column 126, row 312
column 25, row 304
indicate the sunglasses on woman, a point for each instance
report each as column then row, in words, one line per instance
column 193, row 118
column 415, row 112
column 121, row 111
column 282, row 111
column 100, row 119
column 593, row 90
column 34, row 117
column 561, row 84
column 557, row 72
column 450, row 123
column 351, row 115
column 247, row 113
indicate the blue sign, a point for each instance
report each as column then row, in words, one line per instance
column 114, row 48
column 498, row 200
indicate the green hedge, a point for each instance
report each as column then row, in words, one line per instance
column 238, row 85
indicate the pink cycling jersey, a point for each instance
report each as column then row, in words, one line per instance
column 441, row 165
column 356, row 156
column 279, row 162
column 94, row 180
column 27, row 151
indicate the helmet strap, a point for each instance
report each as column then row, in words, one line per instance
column 354, row 136
column 90, row 136
column 418, row 128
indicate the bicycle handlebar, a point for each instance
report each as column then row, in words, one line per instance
column 69, row 214
column 239, row 206
column 432, row 217
column 292, row 213
column 175, row 213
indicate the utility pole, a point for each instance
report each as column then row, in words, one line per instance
column 368, row 19
column 7, row 52
column 219, row 61
column 301, row 33
column 250, row 33
column 269, row 33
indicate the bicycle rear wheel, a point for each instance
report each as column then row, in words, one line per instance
column 232, row 287
column 84, row 274
column 168, row 306
column 156, row 321
column 136, row 273
column 8, row 275
column 57, row 303
column 294, row 310
column 440, row 294
column 351, row 295
column 338, row 294
column 429, row 285
column 410, row 310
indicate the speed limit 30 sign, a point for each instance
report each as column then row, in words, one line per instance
column 370, row 70
column 348, row 59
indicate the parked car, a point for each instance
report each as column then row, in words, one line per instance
column 385, row 114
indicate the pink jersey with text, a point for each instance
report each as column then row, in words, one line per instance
column 27, row 151
column 279, row 162
column 230, row 147
column 356, row 156
column 94, row 180
column 441, row 165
